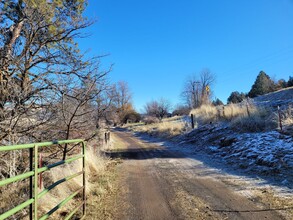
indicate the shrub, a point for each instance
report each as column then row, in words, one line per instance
column 181, row 110
column 150, row 120
column 131, row 117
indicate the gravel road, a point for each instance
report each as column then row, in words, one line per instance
column 158, row 183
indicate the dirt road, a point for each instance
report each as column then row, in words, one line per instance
column 159, row 183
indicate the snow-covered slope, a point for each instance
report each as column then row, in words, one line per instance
column 266, row 153
column 282, row 97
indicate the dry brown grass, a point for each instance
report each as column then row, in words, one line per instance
column 282, row 203
column 95, row 166
column 245, row 117
column 233, row 111
column 205, row 114
column 102, row 203
column 287, row 120
column 99, row 183
column 10, row 199
column 209, row 113
column 166, row 128
column 288, row 117
column 256, row 122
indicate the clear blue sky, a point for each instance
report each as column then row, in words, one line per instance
column 156, row 44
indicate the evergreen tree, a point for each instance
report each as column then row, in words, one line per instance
column 217, row 102
column 262, row 85
column 236, row 97
column 290, row 81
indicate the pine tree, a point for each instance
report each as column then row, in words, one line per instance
column 290, row 81
column 236, row 97
column 262, row 85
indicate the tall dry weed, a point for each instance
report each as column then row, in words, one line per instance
column 257, row 122
column 209, row 113
column 233, row 111
column 205, row 114
column 243, row 117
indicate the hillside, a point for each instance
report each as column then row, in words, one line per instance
column 275, row 99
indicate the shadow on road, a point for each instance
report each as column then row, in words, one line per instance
column 141, row 154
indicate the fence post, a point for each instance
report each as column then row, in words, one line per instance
column 31, row 181
column 247, row 108
column 192, row 121
column 109, row 136
column 36, row 183
column 224, row 112
column 106, row 138
column 280, row 120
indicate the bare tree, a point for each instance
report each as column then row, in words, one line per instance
column 36, row 45
column 197, row 91
column 207, row 79
column 191, row 93
column 121, row 101
column 123, row 94
column 159, row 109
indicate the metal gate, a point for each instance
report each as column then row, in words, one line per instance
column 33, row 178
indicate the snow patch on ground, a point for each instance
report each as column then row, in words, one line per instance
column 265, row 154
column 269, row 152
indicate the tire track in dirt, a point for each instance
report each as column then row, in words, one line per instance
column 162, row 184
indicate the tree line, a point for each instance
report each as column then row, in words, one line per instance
column 197, row 91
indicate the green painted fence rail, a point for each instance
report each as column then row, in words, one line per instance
column 33, row 176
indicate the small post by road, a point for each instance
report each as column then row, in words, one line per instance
column 280, row 120
column 192, row 121
column 106, row 140
column 107, row 137
column 224, row 112
column 247, row 108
